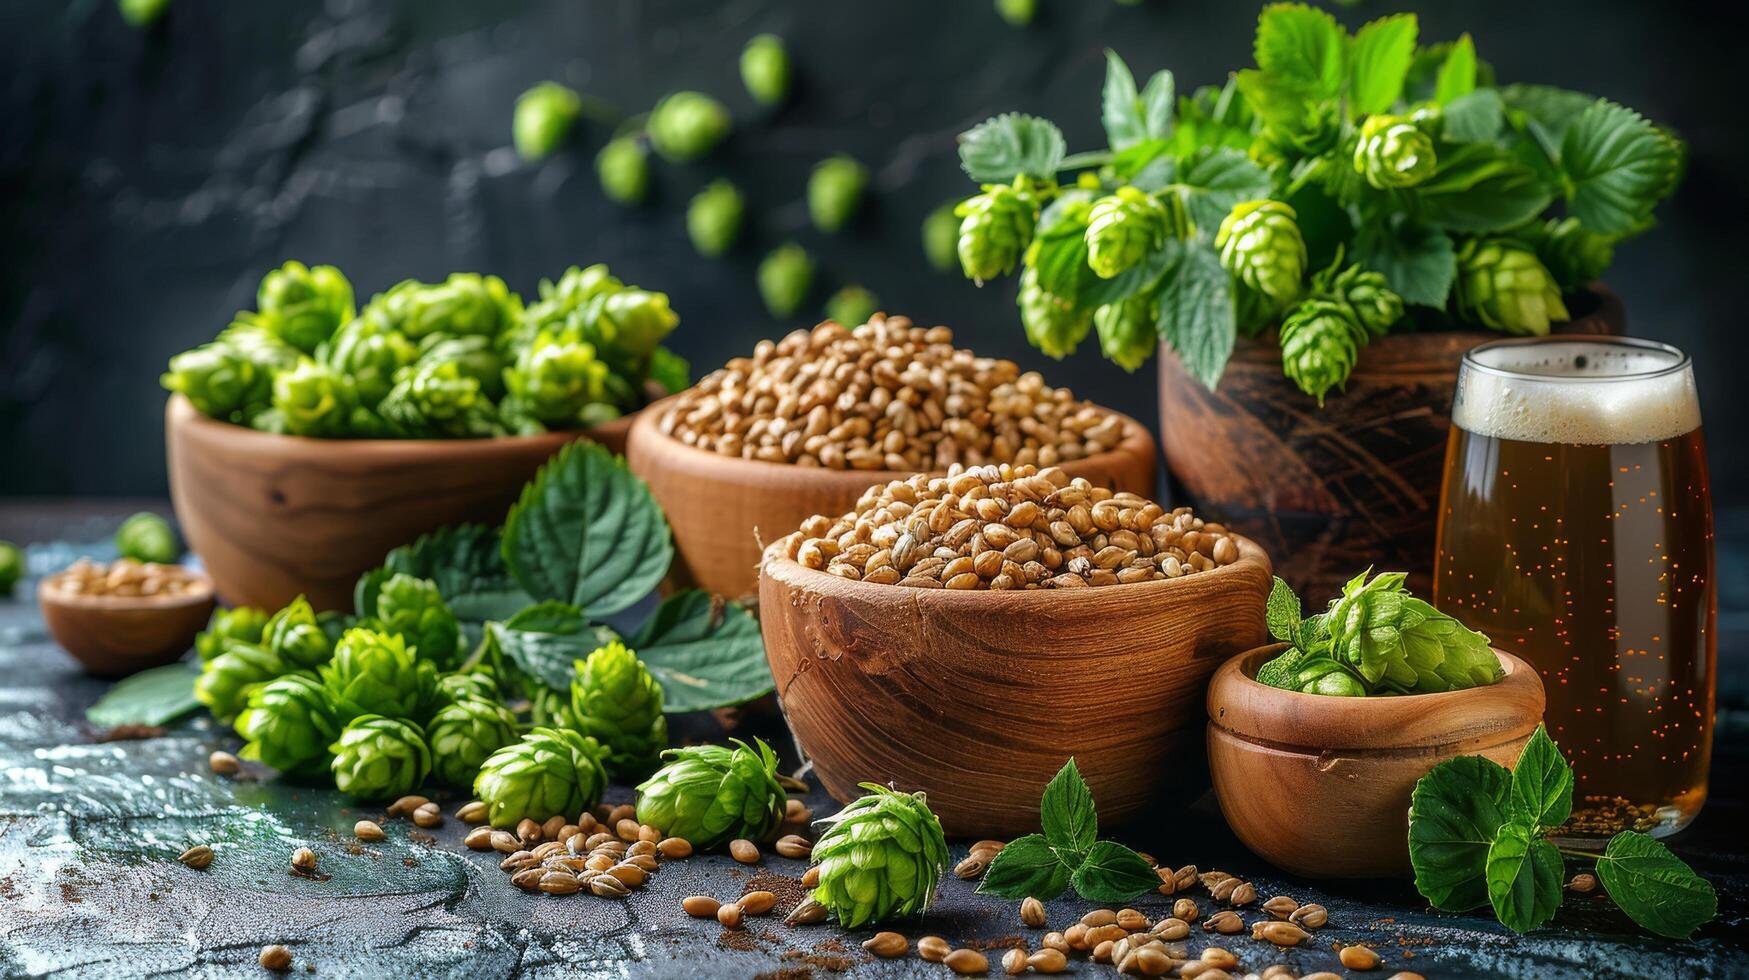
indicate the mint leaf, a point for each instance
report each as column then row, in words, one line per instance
column 1655, row 887
column 1281, row 670
column 1481, row 187
column 1379, row 62
column 1196, row 313
column 1282, row 612
column 151, row 697
column 997, row 150
column 1524, row 877
column 1112, row 872
column 1301, row 45
column 1217, row 179
column 1418, row 261
column 587, row 532
column 1473, row 118
column 1457, row 74
column 1120, row 108
column 1027, row 866
column 1620, row 167
column 1067, row 814
column 1542, row 782
column 707, row 654
column 1454, row 813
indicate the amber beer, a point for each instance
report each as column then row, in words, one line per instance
column 1575, row 529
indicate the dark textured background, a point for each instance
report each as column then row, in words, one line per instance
column 148, row 179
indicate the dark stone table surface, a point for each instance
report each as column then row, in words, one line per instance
column 89, row 885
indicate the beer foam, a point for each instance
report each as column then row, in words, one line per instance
column 1577, row 392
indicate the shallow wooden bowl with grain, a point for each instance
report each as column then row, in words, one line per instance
column 274, row 516
column 117, row 635
column 979, row 697
column 724, row 510
column 1320, row 786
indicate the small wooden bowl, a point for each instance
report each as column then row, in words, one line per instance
column 725, row 509
column 1319, row 786
column 274, row 516
column 115, row 635
column 979, row 697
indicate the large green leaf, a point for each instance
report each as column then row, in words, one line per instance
column 1524, row 877
column 1060, row 246
column 996, row 150
column 467, row 563
column 1542, row 782
column 1379, row 62
column 1027, row 867
column 1067, row 813
column 151, row 697
column 706, row 653
column 546, row 639
column 1479, row 188
column 1196, row 313
column 1418, row 261
column 1473, row 118
column 1654, row 887
column 1159, row 98
column 1454, row 813
column 1111, row 872
column 1457, row 74
column 1302, row 45
column 1120, row 109
column 1619, row 165
column 1217, row 179
column 587, row 532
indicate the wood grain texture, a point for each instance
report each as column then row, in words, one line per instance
column 978, row 698
column 113, row 636
column 724, row 510
column 1320, row 786
column 1330, row 491
column 273, row 516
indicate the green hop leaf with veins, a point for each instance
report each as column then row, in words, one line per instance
column 146, row 537
column 1052, row 323
column 1502, row 285
column 995, row 228
column 1122, row 229
column 296, row 636
column 376, row 673
column 544, row 117
column 555, row 376
column 370, row 354
column 624, row 170
column 765, row 69
column 313, row 399
column 379, row 758
column 1261, row 246
column 415, row 609
column 712, row 794
column 1393, row 152
column 225, row 680
column 615, row 699
column 1320, row 341
column 685, row 126
column 1126, row 331
column 852, row 306
column 549, row 771
column 289, row 724
column 464, row 735
column 880, row 857
column 304, row 306
column 835, row 192
column 243, row 624
column 786, row 276
column 713, row 218
column 218, row 379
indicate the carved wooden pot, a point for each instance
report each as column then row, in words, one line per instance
column 1331, row 491
column 978, row 698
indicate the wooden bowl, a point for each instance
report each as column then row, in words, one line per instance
column 114, row 635
column 724, row 510
column 1320, row 786
column 979, row 697
column 273, row 516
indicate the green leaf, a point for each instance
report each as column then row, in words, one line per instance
column 1027, row 866
column 1524, row 877
column 467, row 563
column 1481, row 187
column 1542, row 782
column 1654, row 887
column 1301, row 44
column 151, row 697
column 1159, row 98
column 1544, row 113
column 1112, row 872
column 1379, row 62
column 1141, row 277
column 1060, row 247
column 1196, row 314
column 1216, row 180
column 1418, row 261
column 706, row 655
column 546, row 639
column 1620, row 166
column 1282, row 612
column 1066, row 811
column 1282, row 670
column 1473, row 118
column 997, row 150
column 1119, row 107
column 1457, row 75
column 1134, row 160
column 1454, row 812
column 587, row 532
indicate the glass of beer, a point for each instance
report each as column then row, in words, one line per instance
column 1575, row 530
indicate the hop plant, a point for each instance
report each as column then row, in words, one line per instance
column 313, row 399
column 555, row 376
column 1369, row 296
column 379, row 758
column 550, row 771
column 295, row 635
column 1573, row 255
column 941, row 232
column 414, row 608
column 217, row 379
column 765, row 69
column 615, row 699
column 852, row 306
column 225, row 680
column 712, row 794
column 1387, row 636
column 243, row 624
column 437, row 400
column 465, row 734
column 1393, row 152
column 1503, row 286
column 786, row 276
column 304, row 306
column 1320, row 341
column 881, row 857
column 146, row 537
column 1126, row 331
column 835, row 191
column 375, row 673
column 370, row 354
column 1122, row 229
column 713, row 218
column 543, row 119
column 1052, row 324
column 685, row 126
column 1261, row 246
column 289, row 725
column 623, row 167
column 995, row 228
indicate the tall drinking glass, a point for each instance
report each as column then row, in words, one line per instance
column 1575, row 529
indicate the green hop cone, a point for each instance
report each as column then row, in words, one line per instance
column 379, row 758
column 550, row 771
column 1018, row 13
column 146, row 537
column 623, row 167
column 687, row 125
column 142, row 13
column 478, row 684
column 1573, row 255
column 304, row 306
column 1261, row 247
column 313, row 399
column 295, row 635
column 713, row 218
column 941, row 233
column 370, row 354
column 1122, row 229
column 995, row 229
column 1502, row 285
column 377, row 673
column 543, row 119
column 555, row 376
column 852, row 306
column 1322, row 675
column 835, row 191
column 1126, row 331
column 1052, row 324
column 634, row 321
column 464, row 735
column 712, row 794
column 615, row 699
column 243, row 624
column 1393, row 152
column 225, row 680
column 474, row 357
column 880, row 857
column 217, row 378
column 289, row 725
column 1391, row 639
column 1367, row 293
column 436, row 400
column 11, row 567
column 786, row 276
column 466, row 303
column 765, row 69
column 415, row 609
column 1320, row 340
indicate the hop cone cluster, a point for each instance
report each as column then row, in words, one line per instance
column 225, row 680
column 289, row 725
column 464, row 735
column 296, row 635
column 1320, row 341
column 1502, row 285
column 375, row 673
column 1261, row 246
column 712, row 794
column 1126, row 331
column 415, row 609
column 687, row 125
column 1391, row 638
column 379, row 758
column 995, row 228
column 1393, row 152
column 544, row 116
column 615, row 699
column 880, row 857
column 550, row 771
column 1122, row 229
column 1052, row 324
column 243, row 624
column 786, row 276
column 304, row 306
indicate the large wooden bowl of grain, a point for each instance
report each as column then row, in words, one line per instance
column 978, row 697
